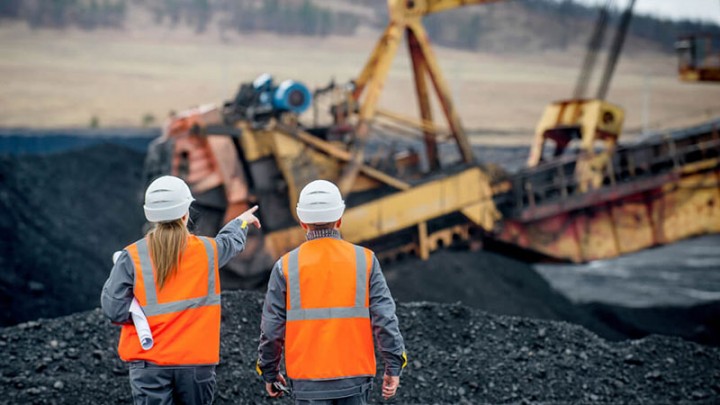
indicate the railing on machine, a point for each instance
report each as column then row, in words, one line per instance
column 627, row 170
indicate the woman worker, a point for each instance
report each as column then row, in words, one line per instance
column 174, row 277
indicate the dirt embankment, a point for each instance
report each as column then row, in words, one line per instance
column 457, row 355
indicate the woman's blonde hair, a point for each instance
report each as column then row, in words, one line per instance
column 167, row 242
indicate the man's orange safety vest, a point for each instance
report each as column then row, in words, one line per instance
column 328, row 333
column 184, row 316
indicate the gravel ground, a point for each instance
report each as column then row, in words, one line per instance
column 457, row 355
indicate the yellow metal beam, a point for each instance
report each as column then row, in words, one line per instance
column 467, row 191
column 405, row 16
column 413, row 122
column 377, row 76
column 373, row 78
column 370, row 70
column 303, row 139
column 441, row 89
column 419, row 71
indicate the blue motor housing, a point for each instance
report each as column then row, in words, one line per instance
column 292, row 96
column 262, row 100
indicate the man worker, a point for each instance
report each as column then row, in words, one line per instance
column 324, row 302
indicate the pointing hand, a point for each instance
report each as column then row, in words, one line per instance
column 248, row 217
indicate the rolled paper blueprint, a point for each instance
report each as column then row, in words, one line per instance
column 141, row 325
column 116, row 255
column 139, row 319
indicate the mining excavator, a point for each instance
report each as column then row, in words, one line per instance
column 581, row 197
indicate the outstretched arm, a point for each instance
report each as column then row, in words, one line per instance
column 231, row 239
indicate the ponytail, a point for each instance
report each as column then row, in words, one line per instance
column 167, row 241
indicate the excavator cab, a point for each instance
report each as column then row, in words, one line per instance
column 699, row 58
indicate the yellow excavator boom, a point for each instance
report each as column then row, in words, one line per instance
column 406, row 20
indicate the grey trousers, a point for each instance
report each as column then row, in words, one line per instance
column 167, row 385
column 360, row 399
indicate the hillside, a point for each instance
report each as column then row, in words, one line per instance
column 136, row 74
column 505, row 26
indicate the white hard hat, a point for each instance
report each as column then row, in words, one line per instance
column 167, row 199
column 320, row 202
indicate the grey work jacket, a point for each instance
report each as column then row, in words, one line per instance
column 384, row 324
column 117, row 294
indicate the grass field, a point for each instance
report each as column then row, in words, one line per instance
column 64, row 78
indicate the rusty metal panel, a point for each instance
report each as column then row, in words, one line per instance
column 633, row 225
column 596, row 235
column 556, row 237
column 689, row 207
column 685, row 207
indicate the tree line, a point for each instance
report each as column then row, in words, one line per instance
column 286, row 17
column 518, row 25
column 528, row 25
column 85, row 14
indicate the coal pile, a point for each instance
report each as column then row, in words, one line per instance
column 458, row 355
column 699, row 323
column 486, row 281
column 505, row 286
column 62, row 217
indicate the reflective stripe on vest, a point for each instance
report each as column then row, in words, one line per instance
column 152, row 307
column 297, row 313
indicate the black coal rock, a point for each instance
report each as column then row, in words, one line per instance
column 499, row 365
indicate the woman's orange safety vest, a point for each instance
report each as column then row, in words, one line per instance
column 184, row 316
column 328, row 333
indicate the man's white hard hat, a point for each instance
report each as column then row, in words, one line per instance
column 166, row 199
column 320, row 202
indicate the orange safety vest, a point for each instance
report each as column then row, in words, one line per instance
column 184, row 316
column 328, row 333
